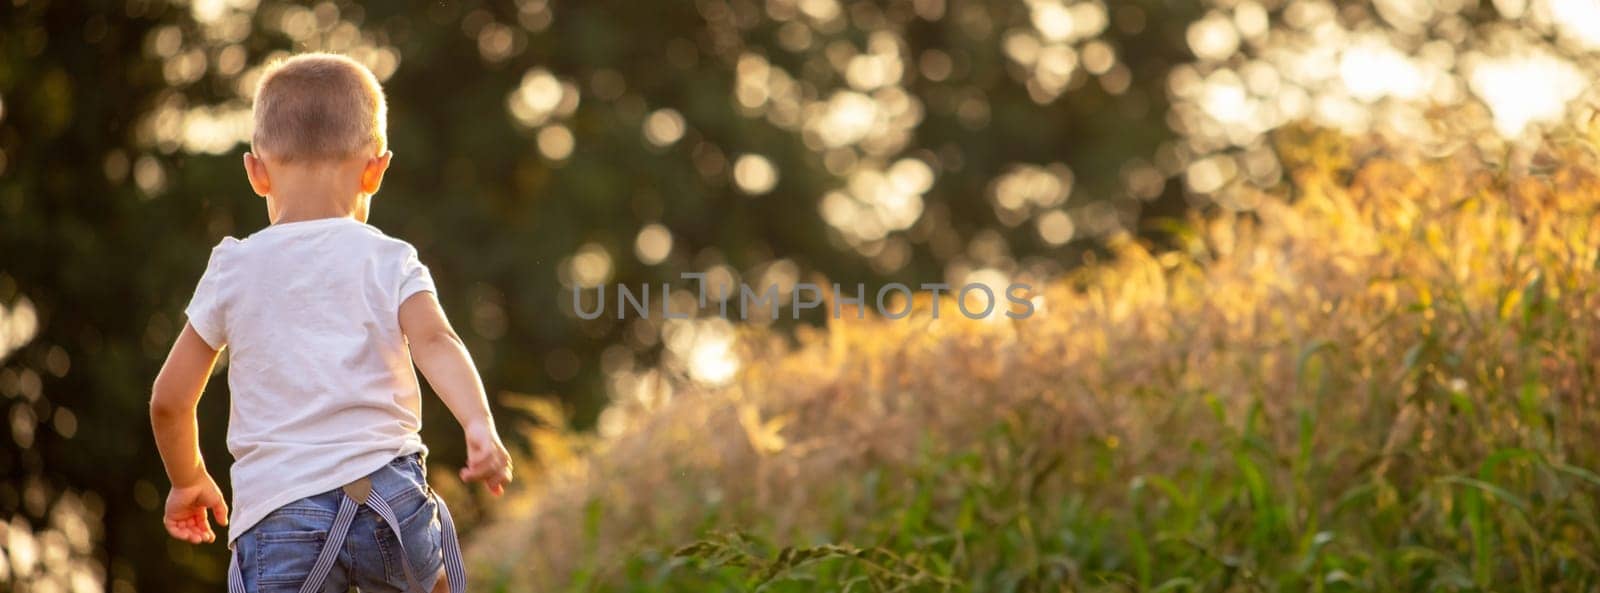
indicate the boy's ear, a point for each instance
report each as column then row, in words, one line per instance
column 372, row 173
column 256, row 170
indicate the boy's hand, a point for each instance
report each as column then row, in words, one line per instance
column 487, row 459
column 186, row 511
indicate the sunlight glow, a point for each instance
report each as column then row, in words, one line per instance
column 17, row 326
column 556, row 142
column 588, row 268
column 1026, row 189
column 1373, row 69
column 653, row 244
column 1401, row 69
column 1060, row 40
column 712, row 361
column 975, row 301
column 878, row 202
column 1213, row 37
column 879, row 67
column 754, row 174
column 1053, row 20
column 860, row 127
column 1526, row 89
column 849, row 118
column 703, row 348
column 540, row 97
column 1055, row 227
column 215, row 130
column 1578, row 18
column 664, row 127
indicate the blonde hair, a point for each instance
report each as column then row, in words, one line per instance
column 319, row 106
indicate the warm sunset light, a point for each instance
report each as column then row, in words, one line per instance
column 799, row 295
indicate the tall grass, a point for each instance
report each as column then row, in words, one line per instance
column 1381, row 379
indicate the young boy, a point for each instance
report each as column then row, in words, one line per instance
column 324, row 316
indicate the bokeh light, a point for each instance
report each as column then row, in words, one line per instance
column 551, row 146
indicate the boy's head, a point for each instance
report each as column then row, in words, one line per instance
column 319, row 107
column 320, row 145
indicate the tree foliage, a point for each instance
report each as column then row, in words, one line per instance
column 120, row 133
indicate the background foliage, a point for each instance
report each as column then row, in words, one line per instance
column 1385, row 386
column 543, row 145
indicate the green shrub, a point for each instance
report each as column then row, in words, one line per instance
column 1382, row 379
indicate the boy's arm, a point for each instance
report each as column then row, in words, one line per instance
column 443, row 359
column 172, row 414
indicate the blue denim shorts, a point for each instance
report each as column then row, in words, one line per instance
column 277, row 554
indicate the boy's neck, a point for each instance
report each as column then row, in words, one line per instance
column 300, row 208
column 310, row 194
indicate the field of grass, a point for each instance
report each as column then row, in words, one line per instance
column 1381, row 379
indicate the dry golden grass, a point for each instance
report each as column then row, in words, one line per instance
column 1387, row 369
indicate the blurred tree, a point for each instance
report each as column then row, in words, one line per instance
column 539, row 145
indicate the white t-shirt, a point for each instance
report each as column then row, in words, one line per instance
column 323, row 390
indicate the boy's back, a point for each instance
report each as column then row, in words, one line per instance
column 325, row 317
column 323, row 390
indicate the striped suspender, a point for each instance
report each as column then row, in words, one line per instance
column 454, row 570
